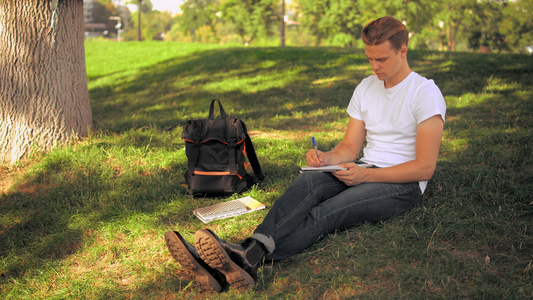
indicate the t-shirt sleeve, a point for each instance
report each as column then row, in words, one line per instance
column 354, row 107
column 428, row 102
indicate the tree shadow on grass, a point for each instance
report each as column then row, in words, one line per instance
column 258, row 84
column 253, row 85
column 47, row 217
column 55, row 210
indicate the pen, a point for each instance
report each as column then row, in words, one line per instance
column 316, row 147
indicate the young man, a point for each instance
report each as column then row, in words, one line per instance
column 400, row 115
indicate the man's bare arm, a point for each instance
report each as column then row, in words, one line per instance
column 348, row 150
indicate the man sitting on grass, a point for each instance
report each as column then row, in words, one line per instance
column 399, row 113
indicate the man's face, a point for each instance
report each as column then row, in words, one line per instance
column 388, row 64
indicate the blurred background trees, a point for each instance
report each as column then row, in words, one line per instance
column 445, row 25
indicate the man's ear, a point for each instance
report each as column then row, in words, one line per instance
column 403, row 50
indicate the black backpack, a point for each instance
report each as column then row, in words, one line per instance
column 216, row 151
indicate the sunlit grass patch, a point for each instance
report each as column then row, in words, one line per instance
column 328, row 81
column 249, row 85
column 498, row 84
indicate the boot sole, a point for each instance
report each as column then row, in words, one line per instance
column 182, row 255
column 212, row 252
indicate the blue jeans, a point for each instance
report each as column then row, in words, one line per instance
column 317, row 204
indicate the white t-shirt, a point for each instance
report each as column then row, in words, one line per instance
column 392, row 115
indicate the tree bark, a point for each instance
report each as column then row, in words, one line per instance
column 44, row 99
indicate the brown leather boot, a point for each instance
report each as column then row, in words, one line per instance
column 187, row 256
column 239, row 263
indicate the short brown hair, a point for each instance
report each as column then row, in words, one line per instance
column 385, row 29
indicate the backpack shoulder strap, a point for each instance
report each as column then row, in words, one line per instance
column 252, row 157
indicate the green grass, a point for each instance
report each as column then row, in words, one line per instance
column 86, row 221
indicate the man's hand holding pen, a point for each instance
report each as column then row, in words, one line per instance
column 315, row 157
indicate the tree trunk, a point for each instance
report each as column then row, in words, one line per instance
column 44, row 100
column 282, row 34
column 139, row 10
column 453, row 30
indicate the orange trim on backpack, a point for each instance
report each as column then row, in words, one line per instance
column 210, row 173
column 245, row 156
column 214, row 173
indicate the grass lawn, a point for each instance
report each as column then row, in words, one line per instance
column 86, row 221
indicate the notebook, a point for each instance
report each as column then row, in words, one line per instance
column 331, row 168
column 228, row 209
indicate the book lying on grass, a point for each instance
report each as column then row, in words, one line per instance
column 330, row 168
column 228, row 209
